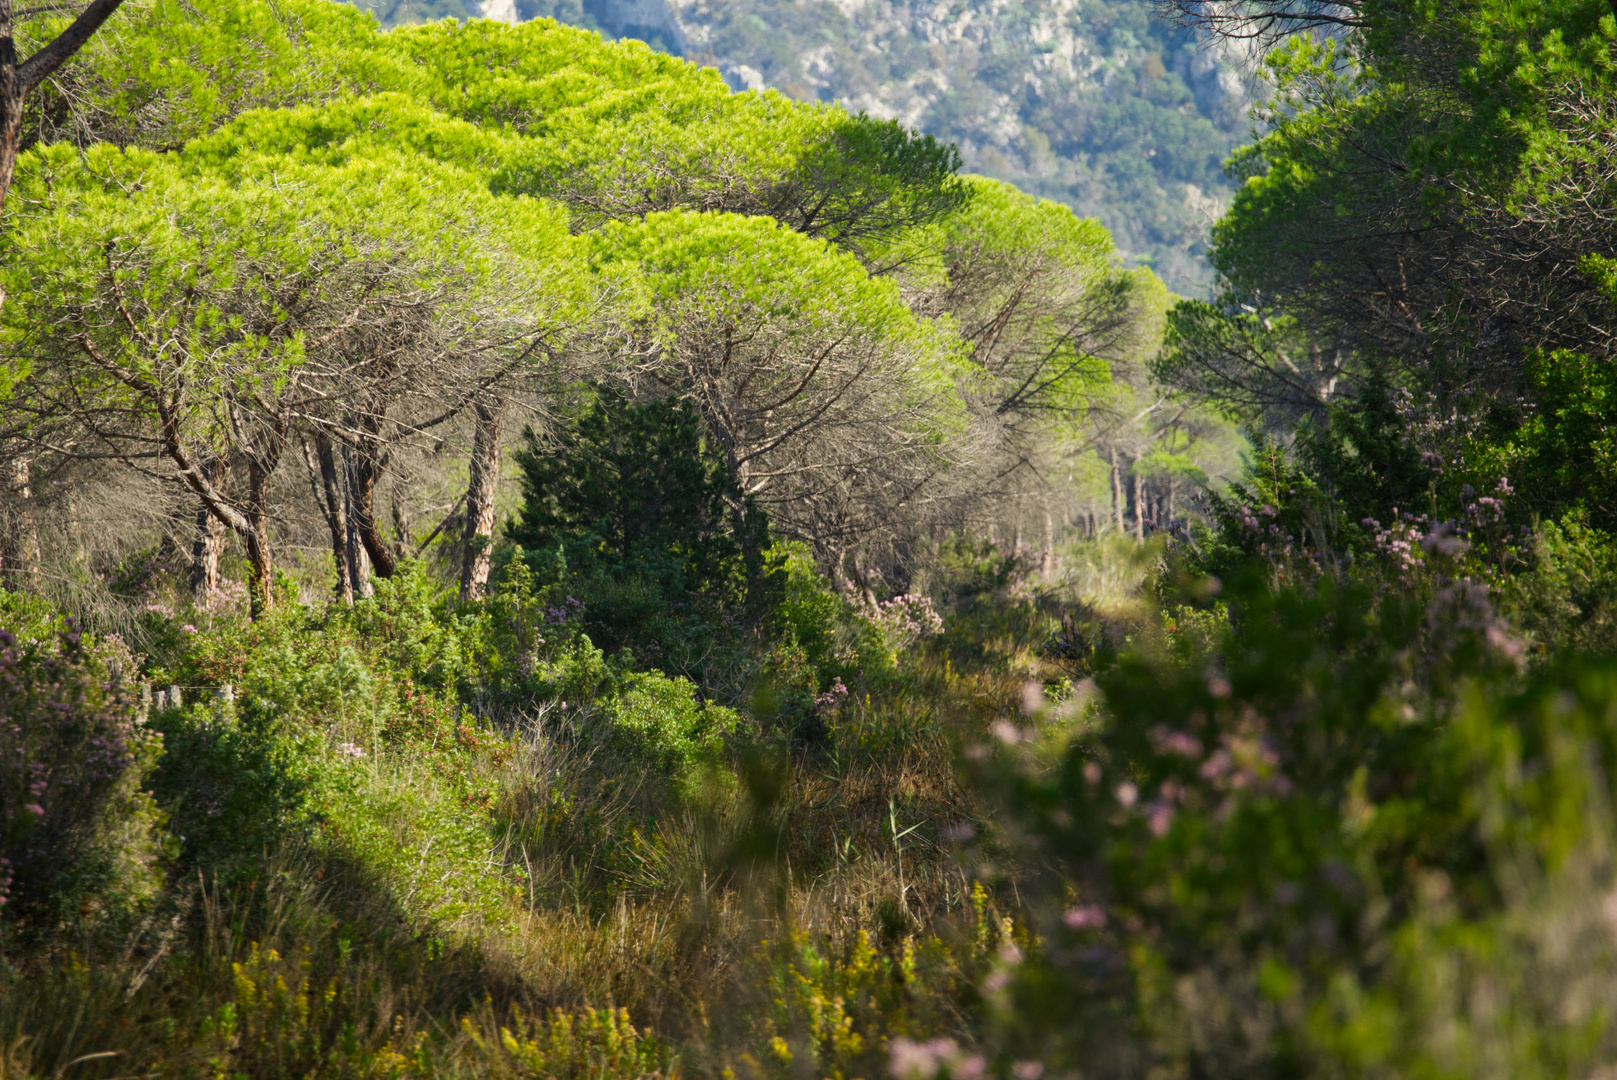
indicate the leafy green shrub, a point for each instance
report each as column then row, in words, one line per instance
column 661, row 726
column 31, row 620
column 635, row 484
column 812, row 617
column 1566, row 597
column 74, row 825
column 1272, row 832
column 232, row 790
column 1278, row 513
column 410, row 618
column 635, row 522
column 827, row 644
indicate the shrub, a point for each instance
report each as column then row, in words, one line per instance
column 1567, row 597
column 588, row 1045
column 232, row 790
column 641, row 486
column 1301, row 841
column 75, row 827
column 661, row 726
column 635, row 519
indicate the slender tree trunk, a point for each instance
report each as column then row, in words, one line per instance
column 19, row 557
column 261, row 589
column 1139, row 510
column 211, row 534
column 359, row 564
column 17, row 79
column 13, row 95
column 863, row 575
column 1172, row 484
column 480, row 491
column 1049, row 541
column 331, row 487
column 1117, row 492
column 401, row 527
column 260, row 467
column 367, row 470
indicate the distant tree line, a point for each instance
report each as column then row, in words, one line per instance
column 301, row 282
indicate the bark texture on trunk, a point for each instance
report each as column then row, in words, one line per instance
column 1139, row 510
column 1117, row 493
column 211, row 534
column 331, row 487
column 252, row 526
column 19, row 547
column 13, row 95
column 862, row 573
column 258, row 537
column 478, row 531
column 359, row 564
column 1049, row 542
column 367, row 465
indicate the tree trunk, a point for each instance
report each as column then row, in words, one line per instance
column 19, row 557
column 13, row 95
column 1049, row 542
column 863, row 575
column 261, row 590
column 331, row 486
column 1016, row 529
column 366, row 471
column 17, row 79
column 253, row 526
column 1139, row 510
column 359, row 564
column 478, row 531
column 401, row 527
column 1117, row 492
column 211, row 533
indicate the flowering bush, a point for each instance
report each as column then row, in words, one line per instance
column 1338, row 774
column 73, row 820
column 907, row 619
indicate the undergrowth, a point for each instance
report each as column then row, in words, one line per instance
column 1198, row 828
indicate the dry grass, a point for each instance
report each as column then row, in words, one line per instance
column 587, row 902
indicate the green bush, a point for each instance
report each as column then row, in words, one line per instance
column 827, row 645
column 76, row 830
column 1270, row 834
column 232, row 790
column 634, row 522
column 1565, row 598
column 660, row 726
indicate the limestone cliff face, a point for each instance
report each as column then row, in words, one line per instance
column 651, row 21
